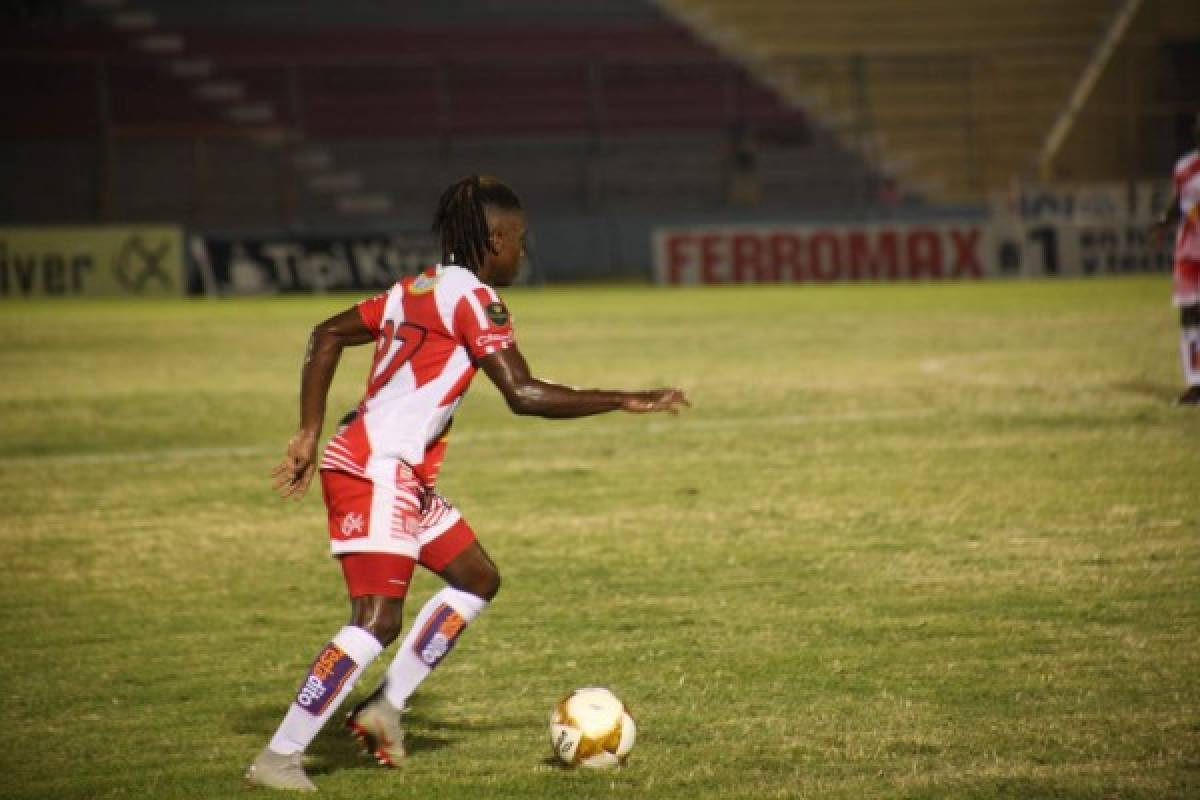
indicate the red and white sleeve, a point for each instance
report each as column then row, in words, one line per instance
column 482, row 323
column 371, row 310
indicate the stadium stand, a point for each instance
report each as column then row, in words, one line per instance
column 315, row 114
column 954, row 97
column 1137, row 118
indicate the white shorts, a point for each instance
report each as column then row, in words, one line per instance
column 367, row 517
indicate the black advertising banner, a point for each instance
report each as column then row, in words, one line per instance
column 271, row 265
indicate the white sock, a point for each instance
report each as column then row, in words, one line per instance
column 432, row 635
column 1189, row 350
column 329, row 680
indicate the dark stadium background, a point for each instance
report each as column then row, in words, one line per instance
column 276, row 120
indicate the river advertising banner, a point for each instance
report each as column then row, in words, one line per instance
column 87, row 260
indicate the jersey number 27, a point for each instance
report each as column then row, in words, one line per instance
column 409, row 337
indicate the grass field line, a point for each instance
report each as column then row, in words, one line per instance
column 538, row 432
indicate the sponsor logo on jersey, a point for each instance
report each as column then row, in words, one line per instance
column 424, row 283
column 493, row 340
column 352, row 524
column 325, row 679
column 497, row 313
column 438, row 636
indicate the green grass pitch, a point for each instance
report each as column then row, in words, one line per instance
column 911, row 541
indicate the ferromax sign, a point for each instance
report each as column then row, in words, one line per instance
column 72, row 261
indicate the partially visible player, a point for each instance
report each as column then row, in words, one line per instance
column 431, row 333
column 1185, row 209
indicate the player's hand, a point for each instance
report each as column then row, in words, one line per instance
column 669, row 400
column 294, row 473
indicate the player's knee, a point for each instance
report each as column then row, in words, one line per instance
column 474, row 572
column 382, row 617
column 490, row 586
column 1189, row 316
column 387, row 631
column 482, row 581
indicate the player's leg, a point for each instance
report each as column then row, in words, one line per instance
column 380, row 733
column 381, row 616
column 474, row 572
column 449, row 548
column 1187, row 299
column 1189, row 351
column 377, row 584
column 376, row 721
column 329, row 680
column 472, row 581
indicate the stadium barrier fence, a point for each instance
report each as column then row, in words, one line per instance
column 1034, row 231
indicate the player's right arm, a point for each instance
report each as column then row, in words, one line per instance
column 294, row 473
column 528, row 395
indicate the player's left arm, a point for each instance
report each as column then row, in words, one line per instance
column 325, row 344
column 528, row 395
column 1170, row 216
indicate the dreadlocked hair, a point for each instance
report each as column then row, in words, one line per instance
column 461, row 221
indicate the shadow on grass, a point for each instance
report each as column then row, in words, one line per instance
column 336, row 749
column 1162, row 392
column 1026, row 788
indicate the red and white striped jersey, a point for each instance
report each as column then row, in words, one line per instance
column 430, row 331
column 1187, row 185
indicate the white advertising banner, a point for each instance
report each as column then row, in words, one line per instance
column 1087, row 229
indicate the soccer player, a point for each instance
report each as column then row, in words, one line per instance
column 431, row 333
column 1185, row 209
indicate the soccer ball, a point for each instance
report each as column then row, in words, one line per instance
column 592, row 728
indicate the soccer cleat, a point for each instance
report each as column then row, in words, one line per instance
column 277, row 771
column 376, row 725
column 1189, row 398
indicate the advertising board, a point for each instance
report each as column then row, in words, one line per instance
column 269, row 265
column 85, row 260
column 802, row 253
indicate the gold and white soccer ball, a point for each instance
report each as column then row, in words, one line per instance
column 592, row 728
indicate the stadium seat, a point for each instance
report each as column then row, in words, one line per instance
column 957, row 96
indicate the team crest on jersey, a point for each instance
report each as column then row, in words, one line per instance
column 353, row 524
column 424, row 283
column 497, row 313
